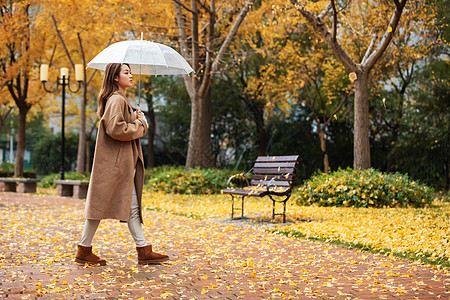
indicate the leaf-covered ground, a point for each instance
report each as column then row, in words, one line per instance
column 38, row 236
column 418, row 233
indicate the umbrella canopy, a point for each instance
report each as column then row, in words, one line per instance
column 144, row 57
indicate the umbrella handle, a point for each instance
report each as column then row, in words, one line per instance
column 140, row 59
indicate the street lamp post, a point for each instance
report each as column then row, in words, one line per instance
column 63, row 80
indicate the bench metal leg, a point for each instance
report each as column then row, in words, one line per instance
column 233, row 209
column 232, row 206
column 276, row 214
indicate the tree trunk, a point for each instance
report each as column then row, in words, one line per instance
column 361, row 143
column 21, row 142
column 257, row 109
column 200, row 148
column 323, row 147
column 82, row 136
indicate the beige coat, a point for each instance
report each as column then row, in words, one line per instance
column 118, row 153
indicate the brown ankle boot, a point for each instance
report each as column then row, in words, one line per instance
column 146, row 256
column 85, row 256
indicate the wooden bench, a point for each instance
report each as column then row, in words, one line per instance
column 76, row 189
column 272, row 176
column 25, row 185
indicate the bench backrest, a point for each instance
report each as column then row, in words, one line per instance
column 268, row 167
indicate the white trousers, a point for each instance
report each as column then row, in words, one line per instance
column 134, row 225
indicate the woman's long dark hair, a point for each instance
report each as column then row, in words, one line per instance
column 109, row 86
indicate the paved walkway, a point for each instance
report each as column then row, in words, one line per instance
column 38, row 236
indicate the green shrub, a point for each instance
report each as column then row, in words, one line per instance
column 154, row 172
column 364, row 188
column 195, row 181
column 6, row 167
column 47, row 181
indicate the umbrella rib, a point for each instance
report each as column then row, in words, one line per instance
column 162, row 55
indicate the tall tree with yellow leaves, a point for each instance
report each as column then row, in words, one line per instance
column 358, row 33
column 205, row 33
column 298, row 69
column 397, row 71
column 81, row 29
column 21, row 46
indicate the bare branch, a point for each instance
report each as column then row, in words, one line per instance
column 181, row 22
column 204, row 5
column 369, row 50
column 337, row 109
column 229, row 38
column 321, row 27
column 231, row 35
column 195, row 34
column 62, row 41
column 351, row 26
column 81, row 49
column 209, row 45
column 387, row 37
column 325, row 11
column 95, row 70
column 333, row 6
column 6, row 114
column 182, row 38
column 53, row 54
column 397, row 90
column 182, row 5
column 311, row 107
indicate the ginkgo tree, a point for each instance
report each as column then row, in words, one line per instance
column 298, row 70
column 396, row 73
column 358, row 33
column 22, row 45
column 80, row 30
column 205, row 32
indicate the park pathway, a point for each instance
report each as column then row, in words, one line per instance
column 38, row 236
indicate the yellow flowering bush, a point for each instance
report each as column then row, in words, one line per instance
column 363, row 188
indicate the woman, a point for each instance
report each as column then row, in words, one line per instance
column 117, row 178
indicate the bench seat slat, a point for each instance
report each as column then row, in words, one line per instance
column 274, row 183
column 275, row 165
column 245, row 192
column 277, row 158
column 256, row 192
column 270, row 176
column 273, row 171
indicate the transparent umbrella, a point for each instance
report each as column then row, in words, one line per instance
column 144, row 57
